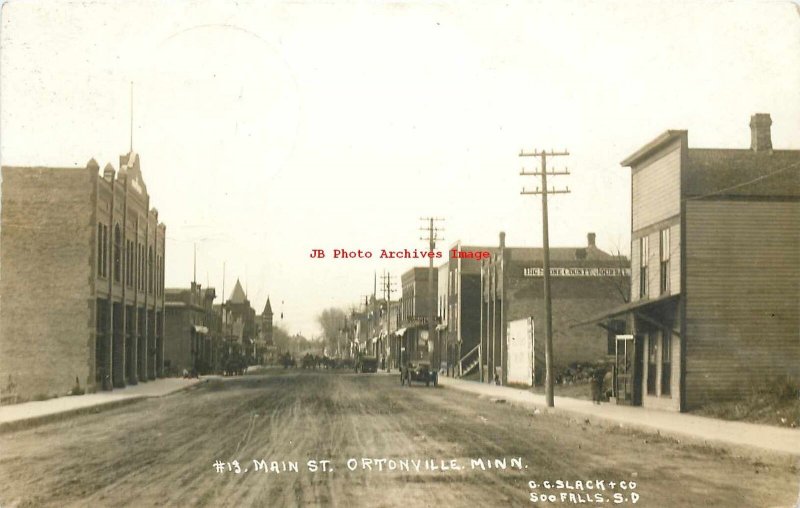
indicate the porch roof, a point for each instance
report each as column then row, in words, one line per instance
column 626, row 308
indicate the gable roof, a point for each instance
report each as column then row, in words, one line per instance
column 661, row 140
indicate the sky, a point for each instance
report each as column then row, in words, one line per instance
column 266, row 130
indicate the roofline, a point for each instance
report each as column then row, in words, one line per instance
column 650, row 147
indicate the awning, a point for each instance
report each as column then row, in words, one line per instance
column 200, row 329
column 639, row 305
column 441, row 327
column 401, row 331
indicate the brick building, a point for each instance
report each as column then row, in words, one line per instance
column 191, row 331
column 584, row 281
column 266, row 330
column 715, row 236
column 239, row 318
column 412, row 341
column 459, row 297
column 81, row 279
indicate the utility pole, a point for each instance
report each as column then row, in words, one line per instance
column 366, row 322
column 386, row 280
column 548, row 345
column 433, row 235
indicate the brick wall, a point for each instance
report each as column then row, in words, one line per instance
column 178, row 340
column 573, row 299
column 47, row 247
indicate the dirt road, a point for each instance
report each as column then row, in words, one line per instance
column 162, row 452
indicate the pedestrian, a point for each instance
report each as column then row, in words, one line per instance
column 596, row 385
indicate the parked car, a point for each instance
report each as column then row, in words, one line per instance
column 420, row 371
column 366, row 364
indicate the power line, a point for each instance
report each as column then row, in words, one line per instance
column 743, row 184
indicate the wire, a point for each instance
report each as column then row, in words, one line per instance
column 749, row 182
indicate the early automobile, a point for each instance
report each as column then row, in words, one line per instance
column 420, row 371
column 366, row 364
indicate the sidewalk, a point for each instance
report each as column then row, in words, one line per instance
column 18, row 416
column 712, row 430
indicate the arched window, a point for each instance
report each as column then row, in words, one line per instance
column 99, row 249
column 150, row 272
column 129, row 263
column 117, row 254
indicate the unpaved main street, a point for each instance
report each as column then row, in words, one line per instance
column 162, row 451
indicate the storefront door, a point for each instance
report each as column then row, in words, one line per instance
column 628, row 370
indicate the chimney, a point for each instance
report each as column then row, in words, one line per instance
column 590, row 239
column 760, row 136
column 502, row 239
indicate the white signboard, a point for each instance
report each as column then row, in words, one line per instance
column 519, row 337
column 577, row 272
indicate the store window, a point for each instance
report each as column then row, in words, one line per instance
column 652, row 365
column 666, row 362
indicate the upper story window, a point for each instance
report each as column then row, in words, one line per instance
column 117, row 254
column 664, row 260
column 140, row 267
column 150, row 271
column 99, row 249
column 102, row 250
column 129, row 263
column 644, row 254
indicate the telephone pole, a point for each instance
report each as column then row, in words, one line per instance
column 548, row 344
column 433, row 235
column 386, row 282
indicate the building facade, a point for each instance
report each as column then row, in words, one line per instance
column 459, row 306
column 584, row 281
column 94, row 241
column 715, row 280
column 191, row 331
column 413, row 341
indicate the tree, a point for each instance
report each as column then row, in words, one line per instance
column 332, row 321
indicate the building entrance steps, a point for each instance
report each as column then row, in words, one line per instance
column 711, row 430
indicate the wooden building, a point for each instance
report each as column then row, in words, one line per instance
column 715, row 286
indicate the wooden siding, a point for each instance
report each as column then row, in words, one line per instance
column 742, row 293
column 656, row 189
